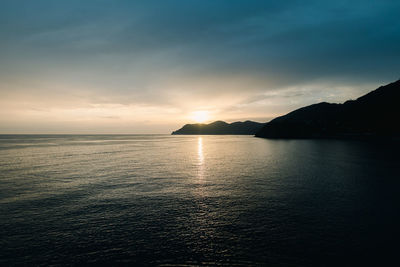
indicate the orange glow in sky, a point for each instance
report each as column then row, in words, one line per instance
column 200, row 116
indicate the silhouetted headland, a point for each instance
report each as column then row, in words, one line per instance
column 373, row 115
column 221, row 127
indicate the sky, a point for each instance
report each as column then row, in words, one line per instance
column 114, row 66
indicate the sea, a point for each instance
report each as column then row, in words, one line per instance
column 162, row 200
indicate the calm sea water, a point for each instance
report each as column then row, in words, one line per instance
column 197, row 200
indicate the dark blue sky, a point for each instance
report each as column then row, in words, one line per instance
column 102, row 65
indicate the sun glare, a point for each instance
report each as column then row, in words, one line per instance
column 200, row 116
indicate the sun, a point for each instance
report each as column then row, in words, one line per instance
column 200, row 116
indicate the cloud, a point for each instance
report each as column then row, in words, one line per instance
column 222, row 55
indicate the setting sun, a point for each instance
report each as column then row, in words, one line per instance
column 200, row 116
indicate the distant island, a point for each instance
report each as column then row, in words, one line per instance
column 221, row 127
column 375, row 115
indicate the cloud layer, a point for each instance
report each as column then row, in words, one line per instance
column 148, row 64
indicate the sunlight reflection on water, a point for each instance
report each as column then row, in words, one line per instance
column 200, row 158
